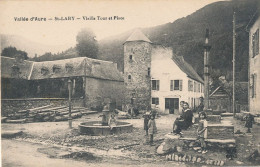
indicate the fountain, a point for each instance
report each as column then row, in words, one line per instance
column 103, row 127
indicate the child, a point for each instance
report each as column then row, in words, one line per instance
column 146, row 120
column 151, row 128
column 112, row 121
column 249, row 122
column 202, row 132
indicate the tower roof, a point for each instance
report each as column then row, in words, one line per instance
column 137, row 35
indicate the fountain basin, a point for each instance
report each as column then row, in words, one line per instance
column 95, row 128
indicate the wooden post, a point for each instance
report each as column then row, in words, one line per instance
column 234, row 62
column 69, row 119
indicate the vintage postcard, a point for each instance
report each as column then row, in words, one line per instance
column 130, row 83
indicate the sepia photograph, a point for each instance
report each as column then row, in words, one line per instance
column 130, row 83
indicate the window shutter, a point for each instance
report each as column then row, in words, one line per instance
column 180, row 85
column 158, row 85
column 252, row 82
column 253, row 45
column 171, row 86
column 255, row 79
column 257, row 42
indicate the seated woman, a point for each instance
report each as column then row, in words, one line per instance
column 184, row 121
column 177, row 125
column 187, row 116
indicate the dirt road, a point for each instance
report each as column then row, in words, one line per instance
column 25, row 154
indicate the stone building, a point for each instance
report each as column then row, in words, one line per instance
column 93, row 81
column 137, row 69
column 155, row 77
column 254, row 65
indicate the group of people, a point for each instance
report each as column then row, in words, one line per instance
column 182, row 122
column 185, row 120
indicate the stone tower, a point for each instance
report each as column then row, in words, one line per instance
column 137, row 70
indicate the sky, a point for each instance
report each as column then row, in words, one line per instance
column 136, row 14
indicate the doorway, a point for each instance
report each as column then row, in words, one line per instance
column 172, row 105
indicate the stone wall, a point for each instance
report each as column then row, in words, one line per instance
column 137, row 64
column 219, row 131
column 99, row 90
column 9, row 106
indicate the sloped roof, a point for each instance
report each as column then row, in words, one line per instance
column 137, row 35
column 76, row 63
column 80, row 66
column 252, row 20
column 6, row 68
column 187, row 68
column 219, row 92
column 103, row 70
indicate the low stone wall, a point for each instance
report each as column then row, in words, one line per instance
column 220, row 131
column 214, row 118
column 10, row 106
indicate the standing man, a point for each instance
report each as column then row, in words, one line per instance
column 146, row 120
column 152, row 129
column 249, row 122
column 201, row 105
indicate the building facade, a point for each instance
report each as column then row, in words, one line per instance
column 254, row 65
column 94, row 81
column 154, row 77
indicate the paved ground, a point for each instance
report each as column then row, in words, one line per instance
column 50, row 134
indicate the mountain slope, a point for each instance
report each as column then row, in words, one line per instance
column 186, row 37
column 30, row 47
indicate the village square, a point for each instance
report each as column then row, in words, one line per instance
column 151, row 107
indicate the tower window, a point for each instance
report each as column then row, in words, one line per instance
column 130, row 57
column 129, row 77
column 149, row 71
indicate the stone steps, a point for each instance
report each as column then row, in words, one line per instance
column 227, row 115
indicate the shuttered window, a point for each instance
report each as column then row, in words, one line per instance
column 155, row 84
column 255, row 43
column 176, row 85
column 190, row 85
column 155, row 100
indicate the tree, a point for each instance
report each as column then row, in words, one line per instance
column 87, row 45
column 13, row 52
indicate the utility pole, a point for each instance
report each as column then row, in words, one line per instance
column 234, row 62
column 207, row 48
column 69, row 119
